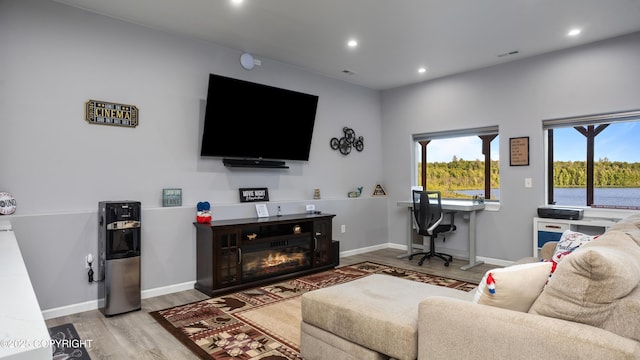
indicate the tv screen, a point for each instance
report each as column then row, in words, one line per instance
column 254, row 121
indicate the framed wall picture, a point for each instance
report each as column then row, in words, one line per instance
column 171, row 197
column 519, row 151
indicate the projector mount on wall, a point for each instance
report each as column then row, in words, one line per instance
column 349, row 140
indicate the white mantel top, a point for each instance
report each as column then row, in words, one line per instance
column 23, row 332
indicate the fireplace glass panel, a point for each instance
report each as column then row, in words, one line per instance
column 276, row 257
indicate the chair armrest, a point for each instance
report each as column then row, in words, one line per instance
column 451, row 328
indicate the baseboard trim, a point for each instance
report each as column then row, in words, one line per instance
column 164, row 290
column 456, row 254
column 69, row 309
column 93, row 304
column 364, row 250
column 169, row 289
column 493, row 261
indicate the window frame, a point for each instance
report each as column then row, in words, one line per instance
column 575, row 121
column 448, row 134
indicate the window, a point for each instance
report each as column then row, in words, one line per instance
column 593, row 161
column 459, row 164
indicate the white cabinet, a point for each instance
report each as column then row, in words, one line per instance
column 23, row 332
column 545, row 229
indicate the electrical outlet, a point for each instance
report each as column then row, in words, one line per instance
column 343, row 228
column 87, row 260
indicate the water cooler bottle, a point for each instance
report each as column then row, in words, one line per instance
column 119, row 257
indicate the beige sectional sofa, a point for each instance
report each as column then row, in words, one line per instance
column 589, row 309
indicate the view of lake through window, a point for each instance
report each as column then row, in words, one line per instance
column 616, row 165
column 456, row 166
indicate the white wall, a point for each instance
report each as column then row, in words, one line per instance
column 58, row 166
column 517, row 96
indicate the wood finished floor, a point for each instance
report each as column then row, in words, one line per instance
column 138, row 336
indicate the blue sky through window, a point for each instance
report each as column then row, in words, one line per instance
column 618, row 142
column 463, row 148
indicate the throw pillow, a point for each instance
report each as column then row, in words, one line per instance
column 570, row 241
column 515, row 287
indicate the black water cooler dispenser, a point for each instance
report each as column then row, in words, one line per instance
column 119, row 257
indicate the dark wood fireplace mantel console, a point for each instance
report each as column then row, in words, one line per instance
column 240, row 253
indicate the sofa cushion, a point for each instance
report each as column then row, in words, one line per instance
column 516, row 286
column 594, row 283
column 379, row 312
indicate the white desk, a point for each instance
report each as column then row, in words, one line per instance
column 452, row 206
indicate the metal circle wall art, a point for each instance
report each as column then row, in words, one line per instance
column 346, row 142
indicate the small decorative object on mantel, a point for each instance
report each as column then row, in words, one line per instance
column 107, row 113
column 262, row 211
column 7, row 203
column 252, row 236
column 378, row 190
column 253, row 194
column 171, row 197
column 345, row 143
column 204, row 212
column 355, row 194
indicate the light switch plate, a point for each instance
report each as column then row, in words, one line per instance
column 528, row 183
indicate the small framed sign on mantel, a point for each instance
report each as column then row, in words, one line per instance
column 253, row 194
column 262, row 211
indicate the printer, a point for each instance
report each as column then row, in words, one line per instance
column 557, row 212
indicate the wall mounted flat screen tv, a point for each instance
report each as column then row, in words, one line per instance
column 246, row 120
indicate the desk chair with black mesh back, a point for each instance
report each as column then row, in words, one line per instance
column 427, row 211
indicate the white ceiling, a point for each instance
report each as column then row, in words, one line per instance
column 395, row 37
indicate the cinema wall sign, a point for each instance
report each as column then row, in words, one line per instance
column 106, row 113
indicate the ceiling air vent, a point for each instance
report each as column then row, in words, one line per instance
column 514, row 52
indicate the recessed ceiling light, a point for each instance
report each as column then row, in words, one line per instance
column 574, row 32
column 352, row 43
column 236, row 2
column 422, row 70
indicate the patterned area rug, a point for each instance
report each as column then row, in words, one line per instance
column 264, row 322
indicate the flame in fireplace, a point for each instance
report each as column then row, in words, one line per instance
column 279, row 258
column 273, row 261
